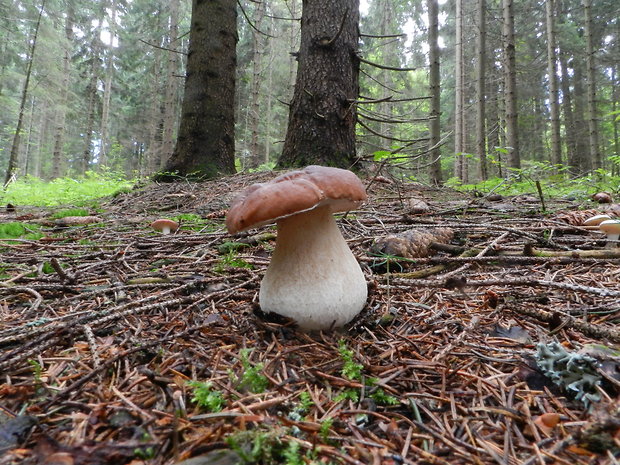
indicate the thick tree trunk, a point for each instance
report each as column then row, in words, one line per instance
column 435, row 92
column 170, row 101
column 322, row 118
column 11, row 171
column 481, row 67
column 595, row 153
column 206, row 142
column 552, row 71
column 510, row 86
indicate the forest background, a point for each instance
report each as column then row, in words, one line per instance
column 104, row 83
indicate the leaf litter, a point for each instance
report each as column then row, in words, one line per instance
column 104, row 350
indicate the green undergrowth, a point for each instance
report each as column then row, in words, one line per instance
column 33, row 191
column 555, row 182
column 70, row 212
column 16, row 230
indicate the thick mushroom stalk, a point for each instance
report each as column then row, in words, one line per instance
column 313, row 277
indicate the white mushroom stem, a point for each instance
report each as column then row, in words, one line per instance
column 313, row 277
column 165, row 230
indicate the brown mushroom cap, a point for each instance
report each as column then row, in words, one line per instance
column 161, row 224
column 295, row 192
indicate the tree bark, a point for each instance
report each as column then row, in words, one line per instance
column 258, row 49
column 170, row 101
column 595, row 153
column 583, row 161
column 91, row 94
column 61, row 111
column 14, row 156
column 481, row 67
column 107, row 88
column 569, row 118
column 435, row 92
column 322, row 117
column 510, row 86
column 460, row 164
column 206, row 142
column 552, row 71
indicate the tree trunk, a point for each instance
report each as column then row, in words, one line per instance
column 552, row 71
column 206, row 142
column 481, row 67
column 569, row 118
column 459, row 140
column 510, row 86
column 61, row 110
column 435, row 92
column 107, row 89
column 26, row 163
column 615, row 168
column 14, row 156
column 322, row 118
column 91, row 94
column 170, row 101
column 595, row 153
column 493, row 119
column 583, row 160
column 258, row 49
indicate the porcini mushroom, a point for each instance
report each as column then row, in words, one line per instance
column 313, row 276
column 594, row 221
column 611, row 228
column 165, row 226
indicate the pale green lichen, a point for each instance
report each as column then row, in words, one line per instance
column 576, row 373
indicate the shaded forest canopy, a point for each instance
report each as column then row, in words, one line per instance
column 106, row 80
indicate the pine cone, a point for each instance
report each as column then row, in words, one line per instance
column 411, row 244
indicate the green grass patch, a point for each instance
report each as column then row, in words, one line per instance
column 70, row 212
column 15, row 230
column 80, row 191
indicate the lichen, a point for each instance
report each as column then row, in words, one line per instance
column 574, row 372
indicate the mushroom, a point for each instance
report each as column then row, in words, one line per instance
column 594, row 221
column 165, row 226
column 611, row 228
column 547, row 421
column 313, row 277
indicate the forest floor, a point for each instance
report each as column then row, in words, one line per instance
column 103, row 326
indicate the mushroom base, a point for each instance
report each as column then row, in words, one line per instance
column 313, row 276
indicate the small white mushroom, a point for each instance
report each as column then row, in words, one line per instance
column 165, row 226
column 313, row 277
column 611, row 228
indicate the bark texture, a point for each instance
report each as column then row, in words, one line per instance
column 552, row 71
column 591, row 48
column 435, row 91
column 206, row 142
column 322, row 118
column 481, row 67
column 510, row 84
